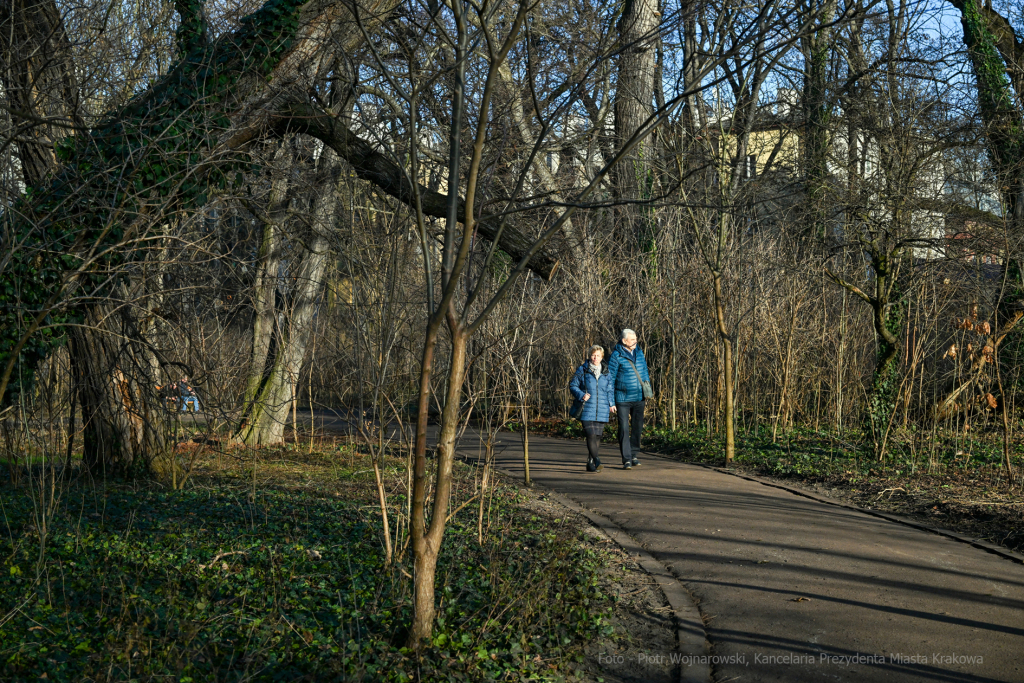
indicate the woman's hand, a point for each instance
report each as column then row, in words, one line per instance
column 612, row 410
column 586, row 397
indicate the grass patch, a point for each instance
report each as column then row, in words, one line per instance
column 289, row 584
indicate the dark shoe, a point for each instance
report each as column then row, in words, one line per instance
column 591, row 467
column 636, row 463
column 627, row 465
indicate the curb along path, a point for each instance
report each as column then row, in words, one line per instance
column 793, row 586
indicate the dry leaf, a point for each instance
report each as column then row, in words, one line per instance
column 992, row 403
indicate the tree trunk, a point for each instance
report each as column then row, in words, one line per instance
column 113, row 372
column 426, row 541
column 39, row 82
column 882, row 396
column 634, row 104
column 727, row 362
column 817, row 47
column 124, row 422
column 264, row 290
column 997, row 59
column 267, row 414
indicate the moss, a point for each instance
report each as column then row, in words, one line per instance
column 995, row 98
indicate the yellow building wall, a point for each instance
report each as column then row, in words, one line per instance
column 762, row 144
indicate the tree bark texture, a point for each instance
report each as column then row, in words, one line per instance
column 426, row 539
column 267, row 414
column 817, row 47
column 113, row 371
column 634, row 104
column 39, row 82
column 267, row 277
column 125, row 426
column 727, row 363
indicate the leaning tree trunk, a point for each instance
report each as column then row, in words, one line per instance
column 163, row 149
column 112, row 372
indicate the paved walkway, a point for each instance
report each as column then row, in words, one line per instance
column 793, row 589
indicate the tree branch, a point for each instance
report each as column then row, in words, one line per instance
column 373, row 166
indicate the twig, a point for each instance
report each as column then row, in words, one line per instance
column 890, row 492
column 10, row 615
column 222, row 555
column 449, row 517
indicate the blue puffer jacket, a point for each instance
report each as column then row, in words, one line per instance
column 627, row 387
column 597, row 406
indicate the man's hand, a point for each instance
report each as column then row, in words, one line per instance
column 586, row 397
column 613, row 410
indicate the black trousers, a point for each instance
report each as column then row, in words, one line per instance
column 593, row 431
column 631, row 423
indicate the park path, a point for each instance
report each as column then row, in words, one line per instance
column 795, row 589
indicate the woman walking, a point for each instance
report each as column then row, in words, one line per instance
column 591, row 387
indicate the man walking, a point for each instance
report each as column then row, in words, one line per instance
column 627, row 369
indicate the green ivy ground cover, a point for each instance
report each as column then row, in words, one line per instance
column 127, row 588
column 808, row 453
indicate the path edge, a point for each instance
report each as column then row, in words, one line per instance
column 690, row 632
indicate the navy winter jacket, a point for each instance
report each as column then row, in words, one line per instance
column 627, row 386
column 597, row 406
